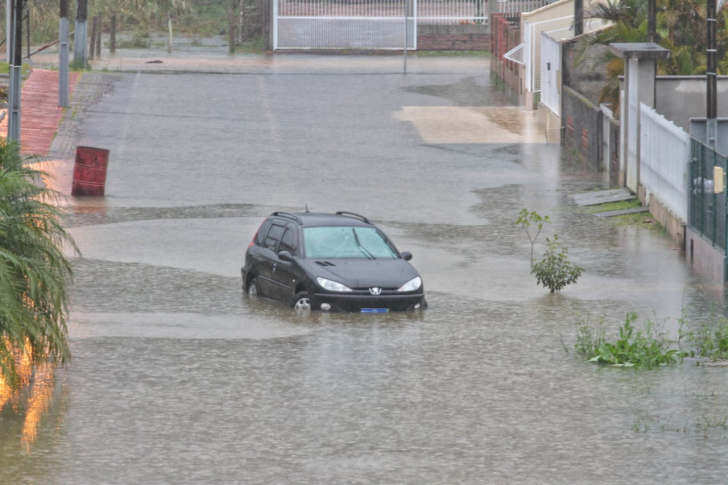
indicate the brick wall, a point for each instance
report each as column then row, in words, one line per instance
column 460, row 37
column 453, row 42
column 582, row 123
column 505, row 34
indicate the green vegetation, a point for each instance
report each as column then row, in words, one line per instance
column 555, row 271
column 525, row 220
column 256, row 45
column 139, row 40
column 680, row 28
column 34, row 274
column 711, row 340
column 642, row 219
column 647, row 348
column 24, row 69
column 615, row 206
column 198, row 17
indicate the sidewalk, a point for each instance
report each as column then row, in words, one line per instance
column 39, row 111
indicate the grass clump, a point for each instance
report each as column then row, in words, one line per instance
column 139, row 40
column 254, row 45
column 710, row 340
column 647, row 348
column 615, row 206
column 24, row 69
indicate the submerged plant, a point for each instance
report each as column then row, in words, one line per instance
column 711, row 340
column 589, row 337
column 555, row 271
column 636, row 348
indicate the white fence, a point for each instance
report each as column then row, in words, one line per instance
column 512, row 7
column 550, row 67
column 664, row 158
column 365, row 24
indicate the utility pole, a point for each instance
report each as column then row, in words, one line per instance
column 578, row 17
column 712, row 88
column 8, row 29
column 63, row 57
column 406, row 36
column 651, row 20
column 15, row 67
column 80, row 45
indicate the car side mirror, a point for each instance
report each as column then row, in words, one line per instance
column 285, row 256
column 406, row 255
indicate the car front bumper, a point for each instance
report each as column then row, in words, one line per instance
column 343, row 302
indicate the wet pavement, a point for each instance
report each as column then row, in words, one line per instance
column 178, row 377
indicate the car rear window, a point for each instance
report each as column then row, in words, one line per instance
column 262, row 232
column 347, row 242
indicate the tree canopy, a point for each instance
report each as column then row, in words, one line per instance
column 681, row 28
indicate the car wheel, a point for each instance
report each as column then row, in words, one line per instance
column 302, row 302
column 253, row 287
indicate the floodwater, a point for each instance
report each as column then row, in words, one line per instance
column 178, row 377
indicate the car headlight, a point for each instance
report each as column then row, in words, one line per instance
column 412, row 285
column 331, row 285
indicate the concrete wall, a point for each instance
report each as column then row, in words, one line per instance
column 556, row 10
column 704, row 258
column 465, row 37
column 679, row 98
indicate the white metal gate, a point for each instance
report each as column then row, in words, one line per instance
column 550, row 67
column 364, row 24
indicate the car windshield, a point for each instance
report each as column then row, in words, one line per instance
column 347, row 242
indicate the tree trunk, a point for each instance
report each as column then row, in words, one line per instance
column 232, row 24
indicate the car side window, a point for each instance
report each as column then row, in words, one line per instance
column 274, row 235
column 288, row 242
column 262, row 232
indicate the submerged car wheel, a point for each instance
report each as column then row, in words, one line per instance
column 302, row 302
column 253, row 287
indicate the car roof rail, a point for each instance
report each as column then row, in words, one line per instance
column 288, row 215
column 352, row 214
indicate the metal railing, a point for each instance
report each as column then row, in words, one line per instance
column 707, row 210
column 511, row 7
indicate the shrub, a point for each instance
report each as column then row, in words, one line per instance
column 555, row 271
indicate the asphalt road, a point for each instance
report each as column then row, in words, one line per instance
column 179, row 377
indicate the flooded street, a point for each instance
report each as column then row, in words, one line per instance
column 178, row 377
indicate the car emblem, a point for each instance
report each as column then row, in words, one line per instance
column 375, row 291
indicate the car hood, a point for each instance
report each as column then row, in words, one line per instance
column 364, row 273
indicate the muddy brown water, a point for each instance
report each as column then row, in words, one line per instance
column 178, row 377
